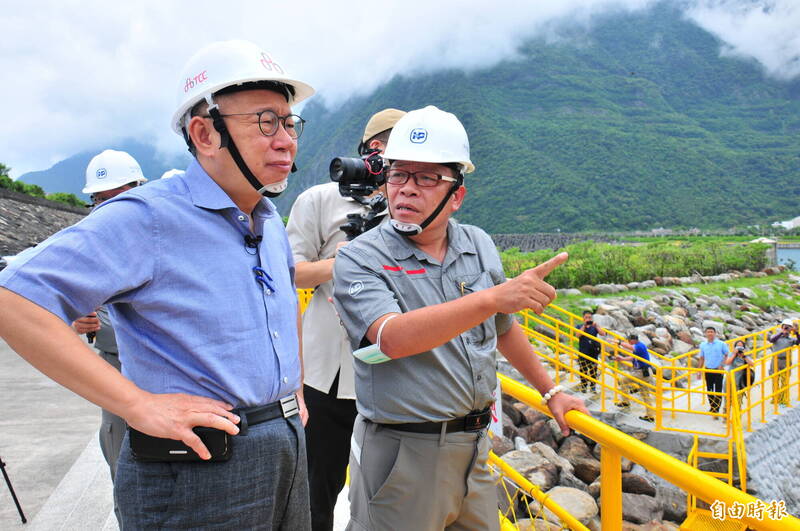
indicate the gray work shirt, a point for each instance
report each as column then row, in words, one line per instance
column 105, row 339
column 383, row 272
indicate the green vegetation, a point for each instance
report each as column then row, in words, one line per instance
column 597, row 263
column 637, row 123
column 35, row 190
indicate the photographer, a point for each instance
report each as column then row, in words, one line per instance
column 315, row 235
column 744, row 377
column 590, row 348
column 782, row 343
column 641, row 370
column 428, row 296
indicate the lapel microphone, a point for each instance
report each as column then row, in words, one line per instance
column 251, row 242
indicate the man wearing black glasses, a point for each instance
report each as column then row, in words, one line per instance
column 198, row 274
column 425, row 303
column 329, row 389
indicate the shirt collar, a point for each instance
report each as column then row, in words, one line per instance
column 206, row 193
column 402, row 248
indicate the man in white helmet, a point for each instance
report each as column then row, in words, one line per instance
column 315, row 233
column 425, row 302
column 198, row 275
column 108, row 174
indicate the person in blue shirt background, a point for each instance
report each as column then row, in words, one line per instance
column 198, row 275
column 713, row 353
column 640, row 369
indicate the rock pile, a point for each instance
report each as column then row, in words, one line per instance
column 672, row 321
column 567, row 469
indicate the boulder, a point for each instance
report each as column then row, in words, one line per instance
column 532, row 416
column 512, row 413
column 605, row 321
column 579, row 504
column 680, row 312
column 594, row 489
column 539, row 431
column 681, row 347
column 647, row 284
column 747, row 293
column 588, row 289
column 605, row 309
column 634, row 285
column 502, row 445
column 548, row 453
column 586, row 467
column 533, row 467
column 686, row 337
column 509, row 430
column 737, row 331
column 555, row 430
column 637, row 484
column 673, row 502
column 526, row 524
column 639, row 508
column 675, row 324
column 605, row 289
column 568, row 479
column 568, row 292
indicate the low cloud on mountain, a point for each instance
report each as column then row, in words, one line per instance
column 82, row 75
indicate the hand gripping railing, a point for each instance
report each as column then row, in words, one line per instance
column 615, row 444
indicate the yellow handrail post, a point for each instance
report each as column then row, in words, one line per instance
column 659, row 399
column 610, row 489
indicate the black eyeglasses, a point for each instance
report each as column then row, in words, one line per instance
column 425, row 179
column 268, row 122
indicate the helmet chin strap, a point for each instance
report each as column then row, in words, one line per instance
column 269, row 190
column 412, row 229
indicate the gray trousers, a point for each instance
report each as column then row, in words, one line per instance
column 264, row 485
column 419, row 482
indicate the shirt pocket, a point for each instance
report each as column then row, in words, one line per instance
column 484, row 333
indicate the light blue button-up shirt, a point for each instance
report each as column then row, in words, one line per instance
column 714, row 353
column 170, row 260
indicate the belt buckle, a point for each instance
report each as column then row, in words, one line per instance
column 289, row 406
column 476, row 421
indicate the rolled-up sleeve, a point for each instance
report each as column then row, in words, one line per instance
column 102, row 258
column 494, row 266
column 360, row 294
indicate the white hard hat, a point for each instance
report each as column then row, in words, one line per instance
column 430, row 135
column 111, row 169
column 171, row 173
column 225, row 64
column 787, row 322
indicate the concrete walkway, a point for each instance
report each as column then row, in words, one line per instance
column 45, row 428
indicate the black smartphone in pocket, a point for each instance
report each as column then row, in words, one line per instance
column 158, row 450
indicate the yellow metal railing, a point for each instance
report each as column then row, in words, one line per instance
column 615, row 444
column 304, row 297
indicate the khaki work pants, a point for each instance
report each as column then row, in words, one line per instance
column 629, row 385
column 420, row 482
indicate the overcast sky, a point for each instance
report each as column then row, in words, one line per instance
column 79, row 74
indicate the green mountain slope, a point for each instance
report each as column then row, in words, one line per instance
column 636, row 124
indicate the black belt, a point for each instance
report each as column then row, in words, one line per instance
column 250, row 416
column 475, row 421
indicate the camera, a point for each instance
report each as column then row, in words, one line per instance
column 358, row 178
column 739, row 349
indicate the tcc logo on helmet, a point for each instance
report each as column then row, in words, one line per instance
column 101, row 173
column 418, row 135
column 268, row 63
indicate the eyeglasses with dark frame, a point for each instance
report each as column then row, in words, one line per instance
column 268, row 122
column 425, row 179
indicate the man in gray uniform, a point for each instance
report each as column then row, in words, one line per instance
column 425, row 302
column 108, row 174
column 329, row 390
